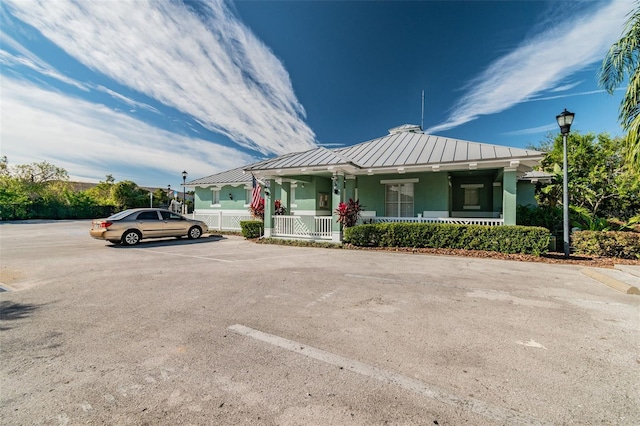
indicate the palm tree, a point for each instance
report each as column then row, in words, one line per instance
column 622, row 61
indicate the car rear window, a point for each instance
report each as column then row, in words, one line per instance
column 148, row 216
column 119, row 215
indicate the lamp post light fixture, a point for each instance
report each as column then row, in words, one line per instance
column 184, row 192
column 564, row 119
column 168, row 192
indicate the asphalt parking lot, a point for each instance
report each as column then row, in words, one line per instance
column 224, row 331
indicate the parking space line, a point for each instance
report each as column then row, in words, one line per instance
column 185, row 255
column 476, row 406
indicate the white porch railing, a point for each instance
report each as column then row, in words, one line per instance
column 222, row 221
column 318, row 227
column 454, row 220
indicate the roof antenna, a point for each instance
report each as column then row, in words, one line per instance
column 422, row 118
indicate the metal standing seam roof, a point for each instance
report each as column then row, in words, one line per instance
column 398, row 150
column 230, row 176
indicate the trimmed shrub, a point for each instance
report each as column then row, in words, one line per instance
column 545, row 216
column 624, row 245
column 505, row 239
column 252, row 228
column 363, row 235
column 300, row 243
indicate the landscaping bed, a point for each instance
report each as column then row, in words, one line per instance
column 558, row 258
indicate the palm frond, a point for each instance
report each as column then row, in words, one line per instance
column 622, row 62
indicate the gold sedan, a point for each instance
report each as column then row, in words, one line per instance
column 128, row 227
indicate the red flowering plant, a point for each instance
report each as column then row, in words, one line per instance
column 257, row 211
column 349, row 213
column 280, row 209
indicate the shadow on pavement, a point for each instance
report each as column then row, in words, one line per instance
column 167, row 242
column 10, row 311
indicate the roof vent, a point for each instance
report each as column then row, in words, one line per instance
column 405, row 128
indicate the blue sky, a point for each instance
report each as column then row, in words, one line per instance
column 143, row 90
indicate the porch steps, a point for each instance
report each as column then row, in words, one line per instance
column 624, row 278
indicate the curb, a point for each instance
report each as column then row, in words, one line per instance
column 629, row 269
column 612, row 282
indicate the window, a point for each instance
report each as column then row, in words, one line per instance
column 323, row 200
column 471, row 196
column 248, row 195
column 153, row 215
column 171, row 216
column 293, row 197
column 399, row 200
column 215, row 200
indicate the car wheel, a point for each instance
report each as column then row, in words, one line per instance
column 131, row 238
column 194, row 232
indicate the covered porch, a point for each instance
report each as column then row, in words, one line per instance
column 487, row 197
column 405, row 176
column 320, row 227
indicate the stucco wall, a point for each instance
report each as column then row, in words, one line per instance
column 203, row 197
column 526, row 194
column 431, row 193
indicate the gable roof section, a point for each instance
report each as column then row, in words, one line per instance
column 237, row 176
column 399, row 150
column 410, row 149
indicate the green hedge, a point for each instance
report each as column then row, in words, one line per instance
column 53, row 210
column 252, row 228
column 505, row 239
column 624, row 245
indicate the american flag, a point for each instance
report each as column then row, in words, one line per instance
column 255, row 194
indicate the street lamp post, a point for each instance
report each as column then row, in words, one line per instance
column 564, row 119
column 184, row 192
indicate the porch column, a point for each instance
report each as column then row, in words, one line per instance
column 509, row 185
column 350, row 189
column 285, row 196
column 337, row 189
column 269, row 207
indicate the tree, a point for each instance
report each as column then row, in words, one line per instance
column 101, row 193
column 4, row 166
column 40, row 173
column 621, row 62
column 26, row 183
column 599, row 179
column 127, row 195
column 160, row 197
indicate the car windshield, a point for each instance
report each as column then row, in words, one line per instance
column 119, row 215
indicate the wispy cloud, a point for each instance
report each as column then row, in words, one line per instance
column 569, row 95
column 34, row 63
column 206, row 64
column 91, row 140
column 566, row 87
column 533, row 130
column 540, row 62
column 126, row 100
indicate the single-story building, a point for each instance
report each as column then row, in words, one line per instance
column 404, row 176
